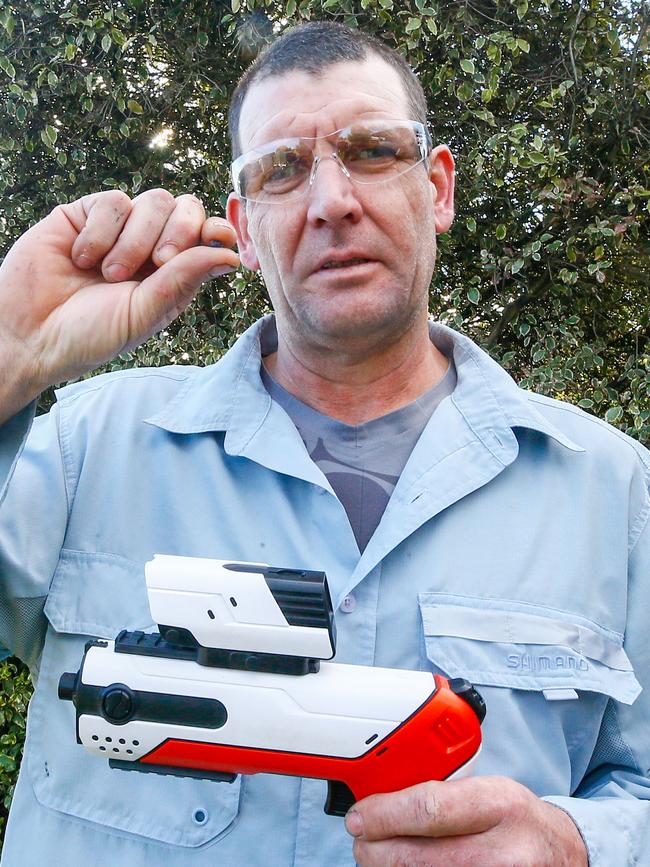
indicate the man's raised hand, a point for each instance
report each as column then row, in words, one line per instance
column 96, row 277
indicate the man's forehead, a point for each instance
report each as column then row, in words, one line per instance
column 298, row 102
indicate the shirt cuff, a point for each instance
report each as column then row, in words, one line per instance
column 13, row 434
column 613, row 829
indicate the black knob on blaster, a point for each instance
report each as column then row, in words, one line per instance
column 68, row 685
column 117, row 703
column 470, row 694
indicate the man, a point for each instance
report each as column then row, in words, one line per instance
column 465, row 526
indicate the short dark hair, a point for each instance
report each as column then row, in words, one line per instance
column 312, row 47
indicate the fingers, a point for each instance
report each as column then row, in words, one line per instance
column 425, row 852
column 216, row 229
column 182, row 229
column 129, row 239
column 149, row 215
column 99, row 219
column 433, row 809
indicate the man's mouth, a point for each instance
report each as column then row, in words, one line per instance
column 347, row 263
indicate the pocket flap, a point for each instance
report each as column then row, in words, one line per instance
column 98, row 594
column 520, row 646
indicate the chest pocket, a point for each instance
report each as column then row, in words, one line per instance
column 509, row 644
column 97, row 595
column 523, row 657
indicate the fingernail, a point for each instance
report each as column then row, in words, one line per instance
column 354, row 823
column 83, row 260
column 166, row 252
column 220, row 271
column 215, row 243
column 117, row 272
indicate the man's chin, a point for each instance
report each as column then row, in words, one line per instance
column 358, row 326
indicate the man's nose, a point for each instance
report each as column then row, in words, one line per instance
column 332, row 195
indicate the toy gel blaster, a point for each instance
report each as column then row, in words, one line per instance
column 236, row 685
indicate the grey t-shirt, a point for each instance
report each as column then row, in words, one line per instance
column 362, row 462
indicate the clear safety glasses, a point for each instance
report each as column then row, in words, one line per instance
column 367, row 152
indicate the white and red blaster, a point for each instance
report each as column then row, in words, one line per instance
column 233, row 683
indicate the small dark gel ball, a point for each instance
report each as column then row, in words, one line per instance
column 215, row 243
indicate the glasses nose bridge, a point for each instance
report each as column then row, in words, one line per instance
column 334, row 156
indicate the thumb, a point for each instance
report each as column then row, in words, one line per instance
column 163, row 295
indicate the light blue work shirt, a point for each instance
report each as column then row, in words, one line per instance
column 514, row 551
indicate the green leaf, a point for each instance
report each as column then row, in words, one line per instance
column 522, row 9
column 21, row 113
column 613, row 414
column 70, row 51
column 106, row 43
column 413, row 24
column 235, row 6
column 433, row 27
column 474, row 295
column 134, row 106
column 517, row 265
column 525, row 46
column 467, row 66
column 500, row 232
column 8, row 67
column 51, row 134
column 471, row 224
column 52, row 79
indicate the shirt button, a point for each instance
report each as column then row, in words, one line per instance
column 349, row 604
column 200, row 816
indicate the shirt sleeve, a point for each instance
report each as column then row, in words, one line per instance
column 611, row 806
column 33, row 519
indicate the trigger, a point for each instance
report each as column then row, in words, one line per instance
column 339, row 798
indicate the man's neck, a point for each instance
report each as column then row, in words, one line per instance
column 355, row 390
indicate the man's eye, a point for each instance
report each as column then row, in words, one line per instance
column 284, row 168
column 374, row 152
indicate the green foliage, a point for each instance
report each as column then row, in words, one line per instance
column 15, row 690
column 545, row 104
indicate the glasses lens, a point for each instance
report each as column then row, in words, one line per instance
column 373, row 153
column 370, row 152
column 281, row 172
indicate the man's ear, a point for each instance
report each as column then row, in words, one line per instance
column 236, row 216
column 442, row 174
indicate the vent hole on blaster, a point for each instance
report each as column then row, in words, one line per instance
column 233, row 601
column 372, row 738
column 210, row 614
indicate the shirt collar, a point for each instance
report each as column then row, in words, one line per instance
column 230, row 396
column 486, row 394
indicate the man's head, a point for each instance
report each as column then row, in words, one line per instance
column 312, row 48
column 348, row 264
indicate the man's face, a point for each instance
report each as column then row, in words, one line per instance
column 382, row 236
